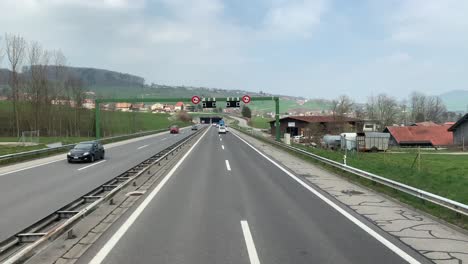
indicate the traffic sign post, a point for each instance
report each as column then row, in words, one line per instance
column 232, row 102
column 208, row 102
column 246, row 99
column 195, row 99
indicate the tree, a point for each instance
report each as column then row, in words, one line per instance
column 246, row 112
column 426, row 108
column 418, row 107
column 383, row 109
column 435, row 109
column 184, row 116
column 15, row 49
column 75, row 86
column 342, row 106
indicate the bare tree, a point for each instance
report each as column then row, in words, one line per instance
column 1, row 51
column 383, row 109
column 35, row 52
column 418, row 107
column 342, row 106
column 59, row 91
column 15, row 50
column 75, row 85
column 435, row 109
column 425, row 108
column 387, row 110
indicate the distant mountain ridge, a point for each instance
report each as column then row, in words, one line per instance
column 456, row 100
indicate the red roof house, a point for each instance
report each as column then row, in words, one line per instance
column 420, row 135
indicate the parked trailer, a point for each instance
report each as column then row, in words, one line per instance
column 372, row 141
column 331, row 141
column 348, row 141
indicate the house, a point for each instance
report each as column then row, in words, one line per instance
column 70, row 103
column 89, row 104
column 420, row 135
column 189, row 108
column 460, row 130
column 124, row 107
column 179, row 106
column 309, row 125
column 169, row 108
column 157, row 107
column 140, row 107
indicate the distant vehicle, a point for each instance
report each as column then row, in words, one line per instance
column 221, row 122
column 174, row 129
column 86, row 151
column 298, row 138
column 214, row 124
column 195, row 127
column 222, row 130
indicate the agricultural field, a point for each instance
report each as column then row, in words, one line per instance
column 260, row 122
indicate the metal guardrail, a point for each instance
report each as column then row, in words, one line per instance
column 115, row 185
column 70, row 146
column 424, row 195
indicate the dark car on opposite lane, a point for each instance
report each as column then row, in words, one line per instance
column 86, row 151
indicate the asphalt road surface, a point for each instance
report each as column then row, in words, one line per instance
column 27, row 196
column 226, row 203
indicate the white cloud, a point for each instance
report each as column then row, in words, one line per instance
column 429, row 22
column 298, row 17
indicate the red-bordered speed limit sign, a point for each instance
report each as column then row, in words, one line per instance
column 195, row 99
column 246, row 99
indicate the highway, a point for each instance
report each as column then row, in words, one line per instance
column 226, row 203
column 29, row 194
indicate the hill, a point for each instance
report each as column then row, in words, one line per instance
column 456, row 100
column 113, row 84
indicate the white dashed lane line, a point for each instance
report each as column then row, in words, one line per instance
column 94, row 164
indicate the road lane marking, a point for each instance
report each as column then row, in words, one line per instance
column 31, row 167
column 107, row 147
column 350, row 217
column 96, row 163
column 144, row 146
column 253, row 256
column 220, row 139
column 222, row 146
column 228, row 167
column 110, row 244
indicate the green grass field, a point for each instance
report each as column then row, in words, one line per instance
column 260, row 122
column 445, row 175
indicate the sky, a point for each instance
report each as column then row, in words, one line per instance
column 310, row 48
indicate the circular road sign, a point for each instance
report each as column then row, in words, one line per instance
column 246, row 99
column 195, row 99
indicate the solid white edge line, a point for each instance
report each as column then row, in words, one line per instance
column 109, row 245
column 96, row 163
column 251, row 250
column 144, row 146
column 350, row 217
column 228, row 167
column 31, row 167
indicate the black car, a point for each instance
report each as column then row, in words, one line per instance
column 86, row 151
